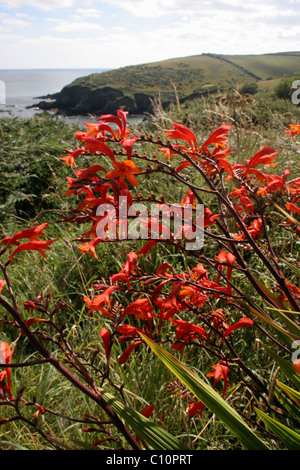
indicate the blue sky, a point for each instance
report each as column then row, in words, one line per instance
column 116, row 33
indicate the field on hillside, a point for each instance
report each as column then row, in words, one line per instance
column 50, row 412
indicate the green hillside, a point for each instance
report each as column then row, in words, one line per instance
column 191, row 74
column 134, row 87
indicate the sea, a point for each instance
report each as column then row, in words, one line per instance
column 21, row 89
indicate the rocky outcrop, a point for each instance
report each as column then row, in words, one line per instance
column 77, row 99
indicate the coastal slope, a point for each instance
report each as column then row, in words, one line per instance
column 133, row 88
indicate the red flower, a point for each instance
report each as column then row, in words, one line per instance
column 90, row 247
column 5, row 358
column 184, row 133
column 98, row 129
column 128, row 268
column 2, row 284
column 33, row 320
column 121, row 122
column 105, row 336
column 141, row 308
column 70, row 158
column 95, row 145
column 195, row 408
column 123, row 358
column 127, row 144
column 217, row 138
column 39, row 246
column 147, row 247
column 219, row 372
column 32, row 234
column 129, row 332
column 185, row 330
column 199, row 272
column 296, row 366
column 292, row 207
column 255, row 228
column 209, row 218
column 265, row 156
column 148, row 411
column 243, row 322
column 228, row 258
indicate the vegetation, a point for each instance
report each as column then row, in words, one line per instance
column 51, row 298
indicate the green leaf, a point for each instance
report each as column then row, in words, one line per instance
column 288, row 437
column 291, row 266
column 154, row 435
column 209, row 397
column 286, row 366
column 289, row 405
column 293, row 394
column 290, row 323
column 269, row 294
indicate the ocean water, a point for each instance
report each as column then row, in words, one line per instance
column 22, row 88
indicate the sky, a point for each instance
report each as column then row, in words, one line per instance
column 116, row 33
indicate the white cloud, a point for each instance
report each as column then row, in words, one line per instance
column 145, row 8
column 74, row 26
column 190, row 8
column 46, row 5
column 89, row 12
column 12, row 23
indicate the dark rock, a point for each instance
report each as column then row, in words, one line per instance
column 77, row 99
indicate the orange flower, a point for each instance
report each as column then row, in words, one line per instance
column 90, row 247
column 70, row 158
column 126, row 169
column 295, row 129
column 97, row 304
